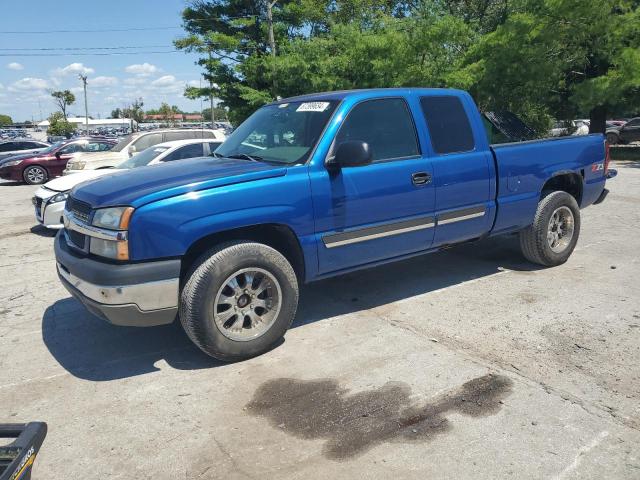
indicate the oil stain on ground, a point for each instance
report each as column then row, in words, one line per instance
column 354, row 423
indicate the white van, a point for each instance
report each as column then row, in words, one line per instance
column 136, row 142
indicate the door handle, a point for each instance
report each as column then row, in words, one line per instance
column 420, row 178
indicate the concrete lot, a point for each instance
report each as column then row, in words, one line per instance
column 468, row 363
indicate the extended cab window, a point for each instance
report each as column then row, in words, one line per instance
column 385, row 124
column 448, row 124
column 280, row 133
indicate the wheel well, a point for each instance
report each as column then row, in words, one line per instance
column 566, row 182
column 279, row 237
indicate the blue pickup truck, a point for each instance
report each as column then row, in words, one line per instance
column 307, row 188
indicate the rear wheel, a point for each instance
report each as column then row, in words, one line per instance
column 550, row 240
column 35, row 175
column 612, row 138
column 238, row 300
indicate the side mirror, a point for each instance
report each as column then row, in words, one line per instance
column 132, row 150
column 354, row 153
column 58, row 154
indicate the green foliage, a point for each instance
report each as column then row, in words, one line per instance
column 537, row 58
column 5, row 120
column 58, row 125
column 63, row 98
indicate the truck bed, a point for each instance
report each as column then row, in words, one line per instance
column 523, row 167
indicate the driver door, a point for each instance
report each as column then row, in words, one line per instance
column 370, row 213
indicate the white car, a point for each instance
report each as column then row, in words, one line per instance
column 50, row 198
column 137, row 142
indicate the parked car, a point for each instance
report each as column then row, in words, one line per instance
column 9, row 148
column 49, row 199
column 627, row 133
column 38, row 168
column 308, row 188
column 562, row 128
column 136, row 142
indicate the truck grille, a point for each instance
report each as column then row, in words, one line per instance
column 80, row 210
column 77, row 239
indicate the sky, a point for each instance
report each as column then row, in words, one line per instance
column 33, row 64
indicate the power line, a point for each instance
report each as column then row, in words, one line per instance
column 128, row 29
column 83, row 54
column 82, row 48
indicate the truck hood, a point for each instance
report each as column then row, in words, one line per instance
column 62, row 184
column 143, row 185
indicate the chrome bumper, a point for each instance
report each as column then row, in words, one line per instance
column 148, row 296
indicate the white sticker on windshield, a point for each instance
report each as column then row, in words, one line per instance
column 312, row 107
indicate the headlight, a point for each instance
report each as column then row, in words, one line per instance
column 12, row 163
column 113, row 218
column 60, row 197
column 117, row 250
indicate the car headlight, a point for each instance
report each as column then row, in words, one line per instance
column 12, row 163
column 113, row 218
column 59, row 197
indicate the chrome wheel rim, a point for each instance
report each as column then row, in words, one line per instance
column 35, row 175
column 560, row 230
column 247, row 304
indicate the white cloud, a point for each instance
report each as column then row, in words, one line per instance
column 15, row 66
column 99, row 82
column 164, row 81
column 73, row 68
column 28, row 83
column 142, row 69
column 135, row 81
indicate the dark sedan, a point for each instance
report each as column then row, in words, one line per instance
column 627, row 133
column 38, row 168
column 18, row 146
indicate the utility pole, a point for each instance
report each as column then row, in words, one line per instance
column 86, row 109
column 213, row 117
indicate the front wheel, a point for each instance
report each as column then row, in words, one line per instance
column 550, row 240
column 238, row 300
column 35, row 175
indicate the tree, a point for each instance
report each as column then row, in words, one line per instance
column 167, row 113
column 219, row 113
column 116, row 113
column 5, row 120
column 63, row 98
column 562, row 58
column 58, row 125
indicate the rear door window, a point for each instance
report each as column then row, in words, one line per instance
column 448, row 124
column 8, row 147
column 385, row 124
column 146, row 141
column 171, row 136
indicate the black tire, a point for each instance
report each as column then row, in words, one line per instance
column 35, row 175
column 206, row 278
column 612, row 138
column 533, row 239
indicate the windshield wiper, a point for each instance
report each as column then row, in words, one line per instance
column 244, row 156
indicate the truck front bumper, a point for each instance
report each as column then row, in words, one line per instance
column 140, row 295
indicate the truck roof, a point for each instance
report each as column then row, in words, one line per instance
column 342, row 94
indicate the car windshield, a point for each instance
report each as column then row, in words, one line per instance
column 143, row 158
column 118, row 147
column 283, row 133
column 53, row 147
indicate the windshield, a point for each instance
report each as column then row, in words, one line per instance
column 283, row 133
column 143, row 158
column 52, row 148
column 118, row 147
